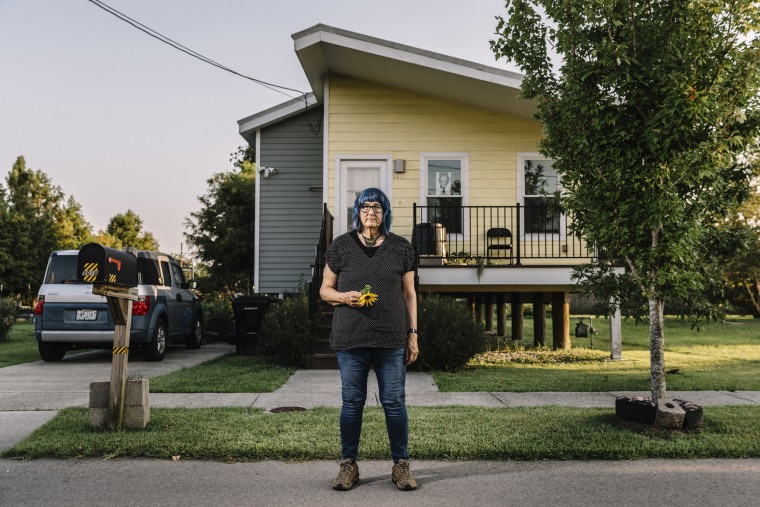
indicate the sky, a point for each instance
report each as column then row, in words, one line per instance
column 120, row 120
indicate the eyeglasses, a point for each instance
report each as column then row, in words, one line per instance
column 375, row 209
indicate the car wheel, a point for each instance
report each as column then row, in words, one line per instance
column 156, row 348
column 51, row 352
column 193, row 340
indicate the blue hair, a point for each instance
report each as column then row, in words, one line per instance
column 373, row 195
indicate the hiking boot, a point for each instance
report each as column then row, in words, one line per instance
column 402, row 477
column 348, row 475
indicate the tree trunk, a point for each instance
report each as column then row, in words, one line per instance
column 656, row 348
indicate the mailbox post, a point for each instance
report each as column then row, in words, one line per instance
column 113, row 274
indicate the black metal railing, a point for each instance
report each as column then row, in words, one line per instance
column 508, row 234
column 317, row 269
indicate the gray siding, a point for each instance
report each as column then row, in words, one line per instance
column 290, row 213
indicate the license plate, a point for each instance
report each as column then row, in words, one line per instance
column 87, row 315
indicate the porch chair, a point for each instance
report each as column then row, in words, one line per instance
column 499, row 243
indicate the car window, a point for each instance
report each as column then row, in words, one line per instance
column 167, row 273
column 178, row 277
column 61, row 269
column 148, row 271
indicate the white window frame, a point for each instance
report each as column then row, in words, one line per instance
column 464, row 159
column 521, row 158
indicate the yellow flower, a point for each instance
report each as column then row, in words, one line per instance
column 367, row 297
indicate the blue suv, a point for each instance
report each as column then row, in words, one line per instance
column 68, row 316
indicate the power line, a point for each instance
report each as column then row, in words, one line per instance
column 188, row 51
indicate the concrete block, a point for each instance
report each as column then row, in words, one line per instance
column 136, row 417
column 669, row 414
column 137, row 393
column 99, row 392
column 98, row 416
column 136, row 404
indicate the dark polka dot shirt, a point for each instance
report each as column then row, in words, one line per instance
column 384, row 324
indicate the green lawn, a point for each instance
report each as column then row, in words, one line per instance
column 723, row 356
column 226, row 374
column 444, row 433
column 20, row 347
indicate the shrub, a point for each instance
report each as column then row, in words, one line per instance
column 7, row 317
column 449, row 336
column 286, row 331
column 217, row 305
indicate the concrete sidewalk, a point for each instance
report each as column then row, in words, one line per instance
column 314, row 388
column 32, row 393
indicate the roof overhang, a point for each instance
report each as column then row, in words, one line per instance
column 325, row 50
column 249, row 126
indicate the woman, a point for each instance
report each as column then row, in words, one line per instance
column 369, row 278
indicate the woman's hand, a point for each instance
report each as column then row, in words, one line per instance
column 351, row 298
column 412, row 351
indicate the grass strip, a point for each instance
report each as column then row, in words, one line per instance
column 226, row 374
column 439, row 433
column 20, row 345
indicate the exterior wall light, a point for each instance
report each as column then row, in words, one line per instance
column 266, row 172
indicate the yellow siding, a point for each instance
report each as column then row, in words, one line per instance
column 368, row 119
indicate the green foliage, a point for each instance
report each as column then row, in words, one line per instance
column 222, row 231
column 286, row 331
column 449, row 337
column 35, row 218
column 217, row 305
column 651, row 115
column 7, row 317
column 125, row 230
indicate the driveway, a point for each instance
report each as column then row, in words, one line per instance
column 53, row 386
column 32, row 393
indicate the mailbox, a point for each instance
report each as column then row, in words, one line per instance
column 100, row 264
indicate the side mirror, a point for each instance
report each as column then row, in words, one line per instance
column 193, row 284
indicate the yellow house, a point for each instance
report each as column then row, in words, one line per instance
column 453, row 147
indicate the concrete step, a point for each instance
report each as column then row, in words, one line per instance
column 323, row 362
column 321, row 346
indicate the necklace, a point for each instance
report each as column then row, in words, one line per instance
column 370, row 241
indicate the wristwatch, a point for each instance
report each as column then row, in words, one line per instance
column 412, row 330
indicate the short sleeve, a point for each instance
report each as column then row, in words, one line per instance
column 409, row 260
column 332, row 258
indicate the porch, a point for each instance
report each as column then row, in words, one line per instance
column 499, row 258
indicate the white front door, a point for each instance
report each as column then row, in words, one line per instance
column 354, row 176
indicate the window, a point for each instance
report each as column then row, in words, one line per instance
column 444, row 177
column 178, row 277
column 167, row 273
column 540, row 183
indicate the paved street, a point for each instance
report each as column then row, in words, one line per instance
column 139, row 482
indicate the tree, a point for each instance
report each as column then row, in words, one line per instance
column 125, row 230
column 73, row 230
column 223, row 230
column 648, row 113
column 32, row 205
column 742, row 269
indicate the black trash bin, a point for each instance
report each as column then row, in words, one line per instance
column 429, row 239
column 248, row 312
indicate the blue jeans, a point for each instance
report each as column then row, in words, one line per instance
column 354, row 365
